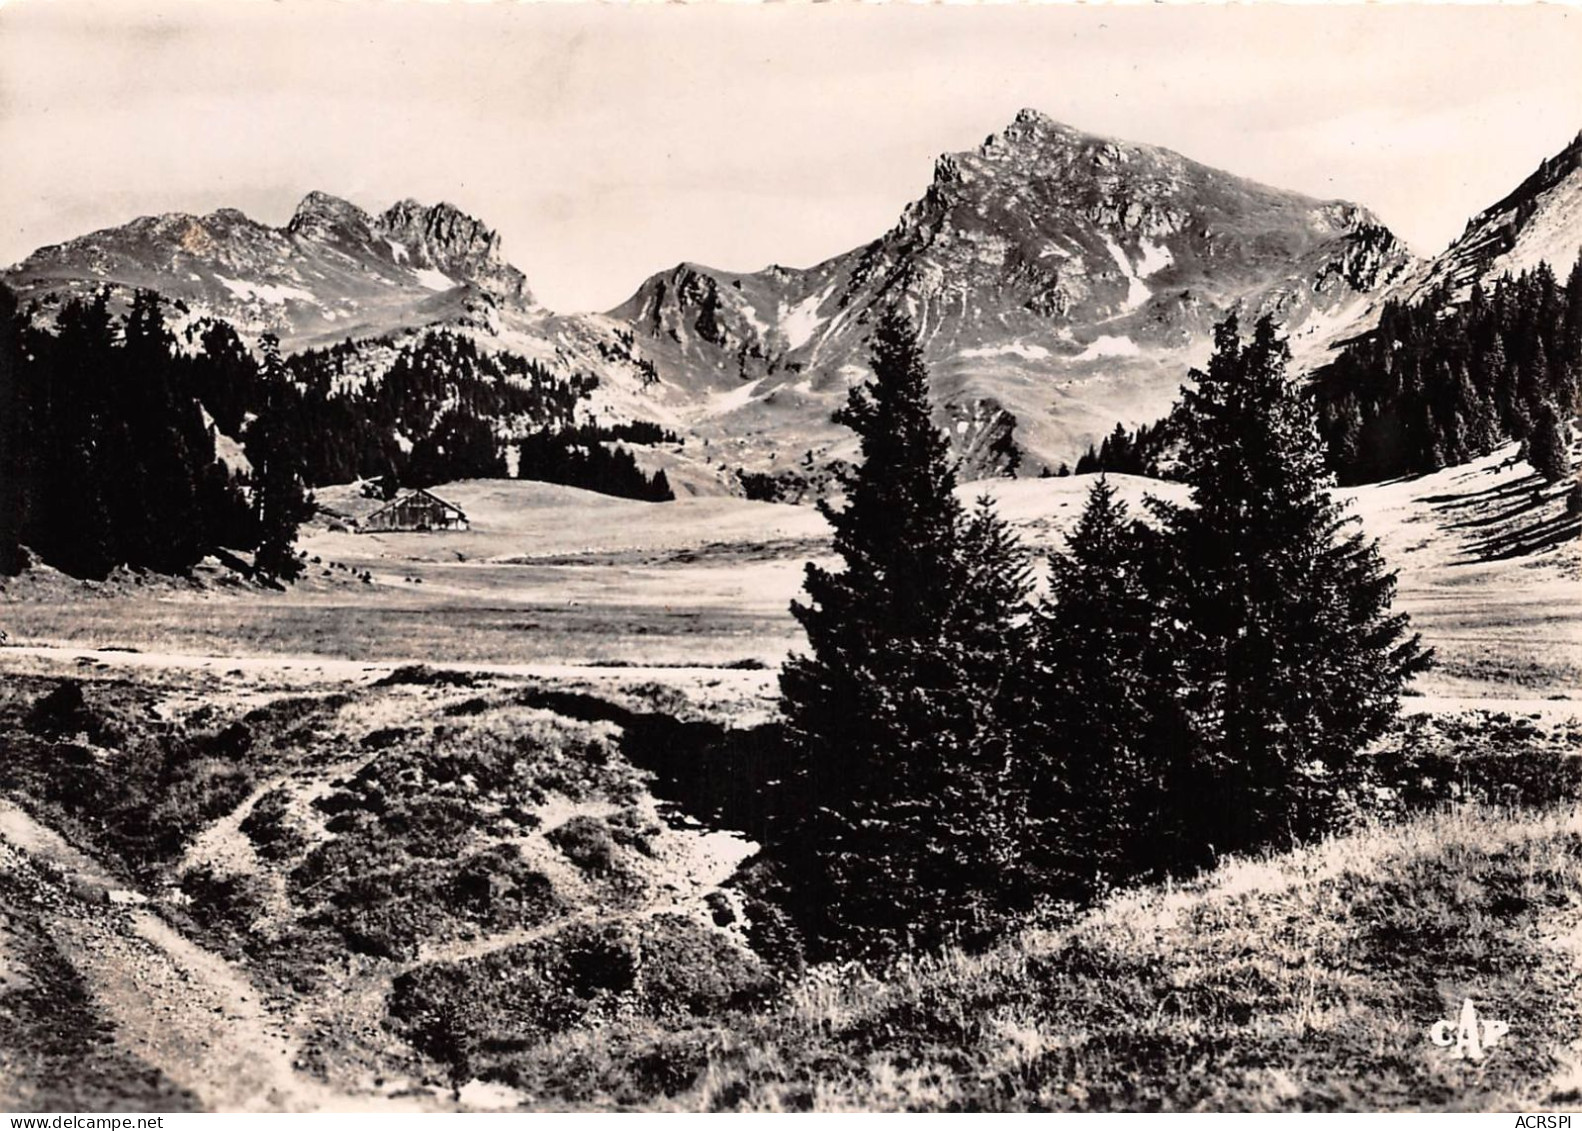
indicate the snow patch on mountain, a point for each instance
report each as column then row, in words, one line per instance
column 729, row 401
column 1008, row 349
column 800, row 322
column 1137, row 291
column 434, row 280
column 1154, row 258
column 274, row 294
column 1108, row 345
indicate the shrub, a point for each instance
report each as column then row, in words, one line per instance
column 64, row 712
column 1482, row 756
column 690, row 969
column 496, row 887
column 271, row 827
column 386, row 737
column 467, row 707
column 228, row 903
column 423, row 675
column 585, row 841
column 480, row 1014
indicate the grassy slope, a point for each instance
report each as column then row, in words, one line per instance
column 1304, row 981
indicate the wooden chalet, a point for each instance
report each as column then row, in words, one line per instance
column 415, row 511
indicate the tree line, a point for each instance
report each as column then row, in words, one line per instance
column 1437, row 383
column 107, row 453
column 109, row 424
column 1202, row 683
column 1440, row 382
column 586, row 457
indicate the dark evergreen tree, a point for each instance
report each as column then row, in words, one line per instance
column 1546, row 445
column 156, row 447
column 72, row 525
column 1107, row 732
column 993, row 638
column 1573, row 318
column 897, row 717
column 280, row 498
column 14, row 475
column 1295, row 660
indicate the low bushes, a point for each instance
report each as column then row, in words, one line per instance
column 586, row 842
column 1488, row 757
column 482, row 1014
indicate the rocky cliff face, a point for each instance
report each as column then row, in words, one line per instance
column 333, row 271
column 1068, row 279
column 444, row 239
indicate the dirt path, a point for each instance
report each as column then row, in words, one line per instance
column 746, row 682
column 173, row 1004
column 320, row 668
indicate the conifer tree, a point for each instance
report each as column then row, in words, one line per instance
column 74, row 527
column 1294, row 658
column 1545, row 446
column 1107, row 729
column 163, row 447
column 14, row 476
column 896, row 716
column 994, row 623
column 1573, row 314
column 280, row 499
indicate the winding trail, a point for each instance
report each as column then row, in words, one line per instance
column 174, row 1005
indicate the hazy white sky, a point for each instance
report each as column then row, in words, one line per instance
column 606, row 141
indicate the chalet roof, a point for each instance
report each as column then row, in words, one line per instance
column 409, row 496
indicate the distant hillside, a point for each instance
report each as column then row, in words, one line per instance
column 363, row 287
column 1540, row 221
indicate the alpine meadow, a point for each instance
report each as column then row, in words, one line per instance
column 1107, row 641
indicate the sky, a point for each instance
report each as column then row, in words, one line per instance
column 609, row 141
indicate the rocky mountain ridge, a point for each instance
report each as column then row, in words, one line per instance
column 1061, row 282
column 332, row 271
column 1066, row 279
column 1540, row 221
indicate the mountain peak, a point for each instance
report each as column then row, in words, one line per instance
column 1029, row 121
column 443, row 237
column 409, row 210
column 323, row 216
column 319, row 201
